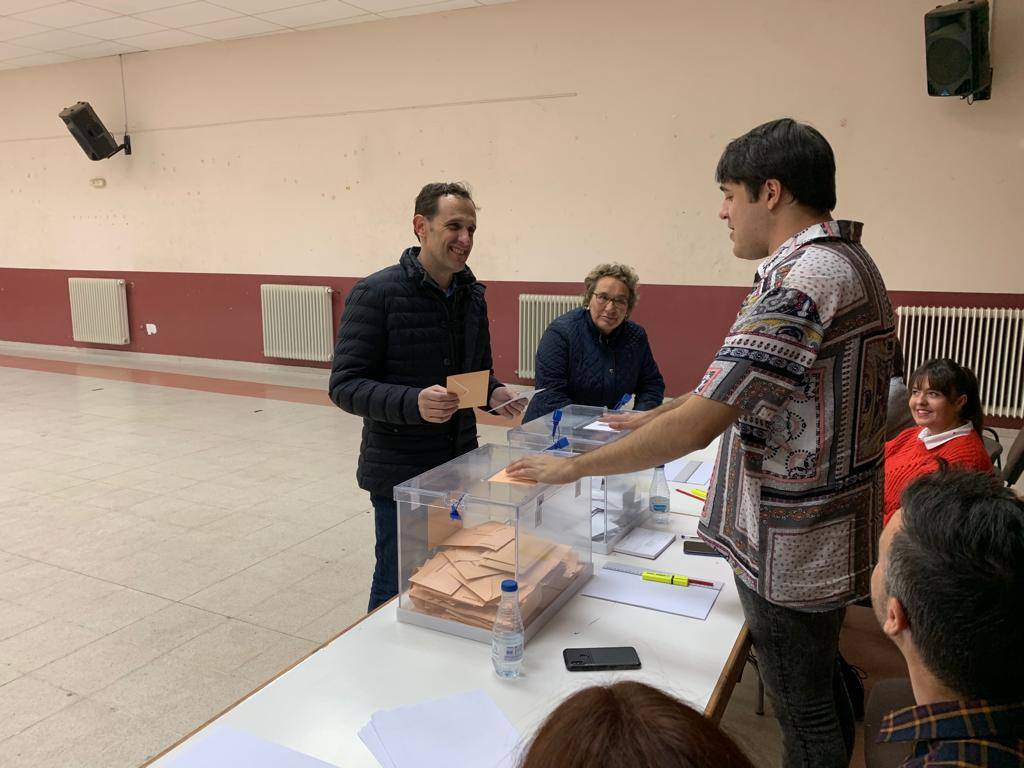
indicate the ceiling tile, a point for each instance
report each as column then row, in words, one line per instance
column 39, row 59
column 188, row 15
column 131, row 6
column 253, row 7
column 313, row 13
column 415, row 10
column 63, row 15
column 8, row 51
column 11, row 7
column 169, row 38
column 53, row 40
column 240, row 27
column 380, row 6
column 102, row 48
column 115, row 29
column 341, row 22
column 13, row 28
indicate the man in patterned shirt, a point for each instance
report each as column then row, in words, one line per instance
column 799, row 389
column 947, row 591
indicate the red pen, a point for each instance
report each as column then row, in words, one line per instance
column 691, row 495
column 700, row 583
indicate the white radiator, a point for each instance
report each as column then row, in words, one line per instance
column 988, row 341
column 297, row 322
column 99, row 310
column 536, row 311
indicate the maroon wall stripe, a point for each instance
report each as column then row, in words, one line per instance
column 218, row 315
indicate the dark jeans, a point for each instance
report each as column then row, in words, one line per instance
column 385, row 572
column 797, row 655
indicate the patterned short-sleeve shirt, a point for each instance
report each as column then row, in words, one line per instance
column 796, row 500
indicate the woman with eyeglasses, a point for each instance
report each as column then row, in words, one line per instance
column 594, row 354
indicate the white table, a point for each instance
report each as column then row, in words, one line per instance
column 318, row 706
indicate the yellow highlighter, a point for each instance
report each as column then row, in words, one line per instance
column 674, row 579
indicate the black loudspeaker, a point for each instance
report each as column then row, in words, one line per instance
column 956, row 46
column 90, row 132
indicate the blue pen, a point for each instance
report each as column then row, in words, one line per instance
column 623, row 401
column 556, row 417
column 559, row 444
column 454, row 514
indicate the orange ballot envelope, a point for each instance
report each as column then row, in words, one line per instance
column 470, row 387
column 501, row 476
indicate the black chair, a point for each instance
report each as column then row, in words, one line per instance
column 993, row 447
column 1014, row 460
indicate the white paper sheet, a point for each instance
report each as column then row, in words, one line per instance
column 463, row 731
column 222, row 746
column 600, row 426
column 643, row 542
column 689, row 471
column 628, row 588
column 369, row 737
column 526, row 394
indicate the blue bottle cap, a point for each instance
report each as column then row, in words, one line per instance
column 509, row 585
column 660, row 466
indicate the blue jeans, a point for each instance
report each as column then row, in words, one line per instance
column 385, row 572
column 798, row 658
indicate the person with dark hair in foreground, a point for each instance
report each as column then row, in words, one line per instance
column 799, row 388
column 403, row 331
column 630, row 725
column 948, row 590
column 946, row 408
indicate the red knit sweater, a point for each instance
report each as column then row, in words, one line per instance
column 906, row 459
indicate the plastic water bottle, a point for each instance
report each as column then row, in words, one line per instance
column 659, row 496
column 507, row 635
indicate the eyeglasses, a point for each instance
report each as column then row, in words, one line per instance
column 618, row 301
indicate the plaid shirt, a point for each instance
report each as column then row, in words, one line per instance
column 959, row 734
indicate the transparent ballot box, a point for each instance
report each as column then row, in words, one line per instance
column 619, row 502
column 463, row 529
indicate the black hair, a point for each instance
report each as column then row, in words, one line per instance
column 957, row 567
column 794, row 153
column 427, row 199
column 952, row 380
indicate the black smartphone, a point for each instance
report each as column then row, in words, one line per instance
column 597, row 659
column 691, row 547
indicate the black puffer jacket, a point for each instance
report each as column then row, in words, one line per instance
column 398, row 335
column 576, row 363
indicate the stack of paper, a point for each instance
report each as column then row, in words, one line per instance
column 220, row 746
column 463, row 731
column 463, row 581
column 643, row 542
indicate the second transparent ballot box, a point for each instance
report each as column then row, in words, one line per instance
column 464, row 527
column 620, row 502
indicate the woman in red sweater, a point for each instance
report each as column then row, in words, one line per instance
column 946, row 407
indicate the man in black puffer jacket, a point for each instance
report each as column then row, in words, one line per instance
column 404, row 330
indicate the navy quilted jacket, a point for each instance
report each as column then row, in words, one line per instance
column 397, row 336
column 577, row 364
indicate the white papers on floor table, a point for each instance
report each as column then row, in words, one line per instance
column 462, row 731
column 223, row 746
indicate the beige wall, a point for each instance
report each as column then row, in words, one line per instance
column 589, row 130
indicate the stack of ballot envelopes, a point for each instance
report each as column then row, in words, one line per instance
column 462, row 582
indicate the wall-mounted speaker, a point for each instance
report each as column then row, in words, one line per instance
column 90, row 133
column 956, row 47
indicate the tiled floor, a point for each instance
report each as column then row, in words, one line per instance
column 164, row 551
column 167, row 548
